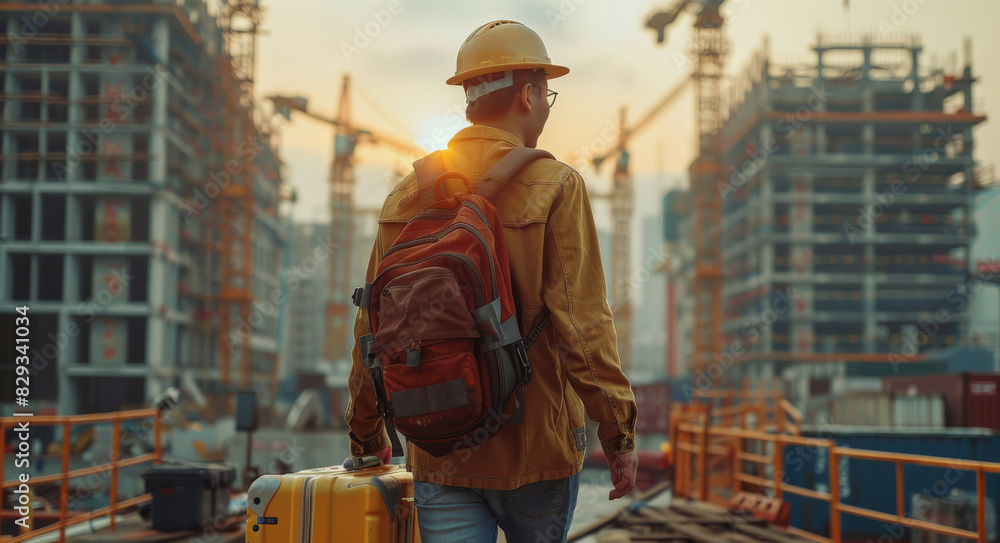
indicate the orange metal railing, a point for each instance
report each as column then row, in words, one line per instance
column 712, row 447
column 769, row 408
column 116, row 464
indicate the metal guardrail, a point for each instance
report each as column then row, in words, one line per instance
column 67, row 423
column 771, row 409
column 708, row 455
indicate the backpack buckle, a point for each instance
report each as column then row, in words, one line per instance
column 362, row 295
column 368, row 358
column 521, row 356
column 413, row 354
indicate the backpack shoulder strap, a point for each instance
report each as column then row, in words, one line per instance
column 506, row 168
column 428, row 169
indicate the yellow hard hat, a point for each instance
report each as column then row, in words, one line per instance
column 499, row 46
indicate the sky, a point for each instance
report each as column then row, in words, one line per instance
column 399, row 53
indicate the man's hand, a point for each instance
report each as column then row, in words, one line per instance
column 385, row 455
column 623, row 468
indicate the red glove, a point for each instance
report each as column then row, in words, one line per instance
column 623, row 468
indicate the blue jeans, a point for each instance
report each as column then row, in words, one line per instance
column 538, row 512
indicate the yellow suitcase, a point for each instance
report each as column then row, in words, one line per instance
column 364, row 504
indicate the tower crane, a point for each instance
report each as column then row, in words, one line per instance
column 347, row 137
column 232, row 119
column 622, row 196
column 709, row 49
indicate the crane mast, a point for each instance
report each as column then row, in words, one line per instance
column 341, row 226
column 622, row 198
column 708, row 49
column 622, row 205
column 347, row 137
column 233, row 120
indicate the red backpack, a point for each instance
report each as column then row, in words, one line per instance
column 446, row 355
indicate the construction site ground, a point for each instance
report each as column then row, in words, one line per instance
column 135, row 528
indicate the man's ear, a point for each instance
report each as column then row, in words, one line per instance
column 525, row 92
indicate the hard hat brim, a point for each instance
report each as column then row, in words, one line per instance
column 552, row 71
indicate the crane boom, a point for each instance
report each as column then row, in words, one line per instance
column 284, row 105
column 342, row 211
column 661, row 20
column 399, row 145
column 645, row 120
column 660, row 106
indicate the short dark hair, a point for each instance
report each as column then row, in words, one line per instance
column 495, row 104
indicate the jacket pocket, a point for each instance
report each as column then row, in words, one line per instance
column 527, row 317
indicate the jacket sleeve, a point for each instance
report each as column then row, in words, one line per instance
column 367, row 429
column 586, row 341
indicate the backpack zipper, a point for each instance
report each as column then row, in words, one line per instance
column 478, row 211
column 444, row 214
column 437, row 237
column 482, row 240
column 466, row 260
column 412, row 242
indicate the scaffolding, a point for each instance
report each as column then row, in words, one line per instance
column 845, row 193
column 129, row 150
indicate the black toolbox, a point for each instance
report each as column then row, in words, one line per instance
column 189, row 495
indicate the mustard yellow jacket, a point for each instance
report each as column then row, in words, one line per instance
column 554, row 260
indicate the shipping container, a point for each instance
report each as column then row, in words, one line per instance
column 818, row 409
column 862, row 408
column 982, row 402
column 967, row 360
column 885, row 409
column 924, row 411
column 856, row 383
column 871, row 484
column 956, row 508
column 970, row 399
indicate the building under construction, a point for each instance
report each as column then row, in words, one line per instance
column 847, row 194
column 138, row 201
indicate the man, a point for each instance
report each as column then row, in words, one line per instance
column 525, row 479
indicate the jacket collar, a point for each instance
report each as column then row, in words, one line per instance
column 478, row 131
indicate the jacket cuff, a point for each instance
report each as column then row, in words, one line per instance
column 622, row 443
column 371, row 446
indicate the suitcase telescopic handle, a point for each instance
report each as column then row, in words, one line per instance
column 361, row 462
